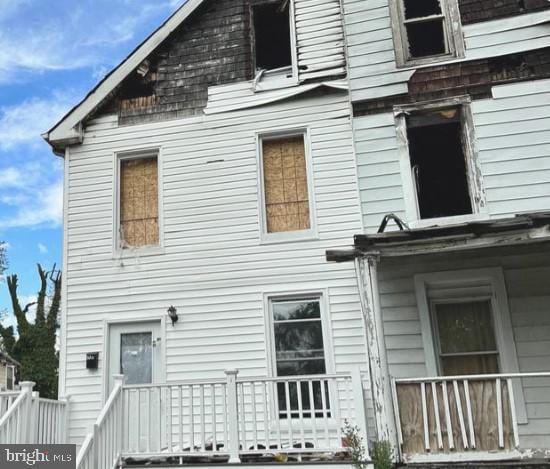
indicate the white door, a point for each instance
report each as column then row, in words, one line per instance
column 135, row 351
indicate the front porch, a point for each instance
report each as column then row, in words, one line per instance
column 290, row 420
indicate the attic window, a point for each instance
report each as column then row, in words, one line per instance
column 272, row 42
column 438, row 163
column 425, row 30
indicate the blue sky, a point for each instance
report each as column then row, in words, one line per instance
column 51, row 54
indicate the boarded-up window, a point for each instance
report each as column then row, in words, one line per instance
column 466, row 336
column 285, row 183
column 139, row 202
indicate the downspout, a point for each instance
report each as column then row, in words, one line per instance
column 366, row 269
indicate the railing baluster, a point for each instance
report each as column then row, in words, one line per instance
column 214, row 418
column 191, row 419
column 288, row 414
column 325, row 412
column 300, row 414
column 254, row 415
column 425, row 416
column 460, row 414
column 512, row 402
column 180, row 416
column 265, row 417
column 500, row 424
column 169, row 420
column 224, row 415
column 448, row 421
column 470, row 415
column 436, row 413
column 313, row 413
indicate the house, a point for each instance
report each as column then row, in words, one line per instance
column 8, row 372
column 209, row 177
column 205, row 177
column 451, row 130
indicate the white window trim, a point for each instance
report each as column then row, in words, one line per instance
column 322, row 295
column 475, row 184
column 288, row 236
column 270, row 79
column 460, row 282
column 118, row 157
column 453, row 35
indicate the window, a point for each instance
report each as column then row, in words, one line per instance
column 438, row 162
column 272, row 35
column 139, row 202
column 10, row 377
column 465, row 337
column 299, row 350
column 286, row 195
column 423, row 30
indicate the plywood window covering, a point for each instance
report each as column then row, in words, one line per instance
column 139, row 202
column 285, row 184
column 466, row 336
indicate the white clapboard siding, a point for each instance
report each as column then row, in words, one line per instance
column 512, row 133
column 319, row 38
column 213, row 267
column 372, row 68
column 526, row 273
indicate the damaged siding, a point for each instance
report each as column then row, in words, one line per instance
column 373, row 72
column 528, row 298
column 319, row 39
column 513, row 146
column 213, row 268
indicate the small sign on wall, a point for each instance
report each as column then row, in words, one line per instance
column 92, row 360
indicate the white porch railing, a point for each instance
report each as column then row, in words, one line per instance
column 472, row 416
column 102, row 448
column 27, row 418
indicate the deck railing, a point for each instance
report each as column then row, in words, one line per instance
column 458, row 414
column 102, row 448
column 51, row 419
column 7, row 398
column 233, row 417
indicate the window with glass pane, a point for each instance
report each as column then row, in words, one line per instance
column 10, row 378
column 466, row 338
column 136, row 357
column 299, row 350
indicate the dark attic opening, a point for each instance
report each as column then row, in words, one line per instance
column 438, row 163
column 272, row 46
column 424, row 25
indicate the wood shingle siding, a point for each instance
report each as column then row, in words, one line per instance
column 213, row 267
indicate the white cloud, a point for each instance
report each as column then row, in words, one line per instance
column 43, row 207
column 42, row 248
column 23, row 123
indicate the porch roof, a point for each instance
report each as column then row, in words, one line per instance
column 520, row 229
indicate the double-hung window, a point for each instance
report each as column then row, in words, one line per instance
column 287, row 197
column 299, row 349
column 10, row 377
column 426, row 30
column 138, row 194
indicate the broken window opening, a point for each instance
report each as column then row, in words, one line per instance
column 425, row 28
column 438, row 163
column 272, row 40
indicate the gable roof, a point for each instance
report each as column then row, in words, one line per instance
column 69, row 129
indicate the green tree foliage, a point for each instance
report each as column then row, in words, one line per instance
column 34, row 345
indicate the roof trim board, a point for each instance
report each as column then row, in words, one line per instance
column 69, row 129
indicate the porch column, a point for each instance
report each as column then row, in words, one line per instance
column 367, row 275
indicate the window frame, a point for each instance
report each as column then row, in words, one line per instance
column 322, row 296
column 12, row 368
column 473, row 170
column 452, row 26
column 286, row 236
column 459, row 283
column 119, row 157
column 272, row 79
